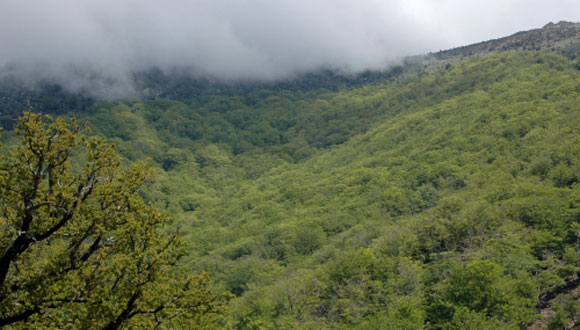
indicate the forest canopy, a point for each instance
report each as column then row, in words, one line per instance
column 445, row 199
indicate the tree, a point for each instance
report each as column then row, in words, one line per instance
column 80, row 248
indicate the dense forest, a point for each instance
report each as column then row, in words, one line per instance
column 443, row 200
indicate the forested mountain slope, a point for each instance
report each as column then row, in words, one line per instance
column 446, row 200
column 459, row 213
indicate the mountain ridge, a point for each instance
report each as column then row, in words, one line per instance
column 552, row 36
column 562, row 38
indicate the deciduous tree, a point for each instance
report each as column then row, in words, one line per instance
column 79, row 247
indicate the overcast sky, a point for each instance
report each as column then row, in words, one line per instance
column 255, row 39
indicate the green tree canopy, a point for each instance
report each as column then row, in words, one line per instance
column 79, row 248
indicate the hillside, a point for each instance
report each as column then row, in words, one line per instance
column 370, row 232
column 432, row 196
column 356, row 208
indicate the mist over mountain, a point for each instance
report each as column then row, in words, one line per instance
column 97, row 45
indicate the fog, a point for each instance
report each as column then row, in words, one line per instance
column 95, row 44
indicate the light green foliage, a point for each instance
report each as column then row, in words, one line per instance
column 82, row 249
column 482, row 287
column 444, row 201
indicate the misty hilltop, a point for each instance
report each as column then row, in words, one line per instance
column 99, row 47
column 78, row 88
column 562, row 38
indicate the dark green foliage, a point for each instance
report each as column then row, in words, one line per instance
column 46, row 97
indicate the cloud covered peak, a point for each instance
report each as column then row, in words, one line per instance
column 80, row 42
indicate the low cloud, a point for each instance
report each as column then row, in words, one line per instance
column 97, row 43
